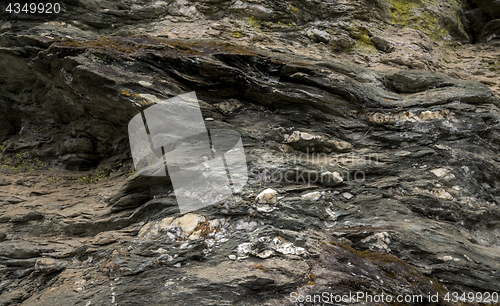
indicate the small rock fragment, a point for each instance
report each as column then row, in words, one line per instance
column 331, row 178
column 442, row 147
column 265, row 208
column 313, row 196
column 443, row 173
column 188, row 222
column 382, row 44
column 382, row 241
column 319, row 35
column 441, row 193
column 347, row 195
column 152, row 230
column 285, row 247
column 244, row 248
column 268, row 196
column 265, row 254
column 308, row 142
column 50, row 265
column 332, row 215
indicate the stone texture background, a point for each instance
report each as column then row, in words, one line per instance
column 399, row 99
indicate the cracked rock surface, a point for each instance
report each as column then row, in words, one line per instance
column 368, row 170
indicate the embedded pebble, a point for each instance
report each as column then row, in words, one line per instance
column 50, row 265
column 442, row 147
column 441, row 193
column 265, row 254
column 443, row 173
column 329, row 178
column 188, row 222
column 332, row 215
column 313, row 196
column 268, row 196
column 265, row 208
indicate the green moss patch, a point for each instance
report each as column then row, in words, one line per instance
column 21, row 163
column 363, row 40
column 93, row 177
column 238, row 34
column 419, row 15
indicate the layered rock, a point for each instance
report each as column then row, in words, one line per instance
column 363, row 177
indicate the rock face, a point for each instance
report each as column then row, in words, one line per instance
column 373, row 160
column 483, row 19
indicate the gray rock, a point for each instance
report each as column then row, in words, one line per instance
column 382, row 44
column 406, row 81
column 398, row 168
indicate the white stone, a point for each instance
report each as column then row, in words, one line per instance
column 265, row 254
column 153, row 229
column 285, row 247
column 402, row 153
column 79, row 285
column 443, row 173
column 446, row 258
column 268, row 196
column 144, row 83
column 151, row 98
column 244, row 248
column 331, row 178
column 347, row 195
column 145, row 231
column 296, row 135
column 441, row 193
column 243, row 225
column 442, row 147
column 313, row 196
column 215, row 223
column 232, row 257
column 188, row 222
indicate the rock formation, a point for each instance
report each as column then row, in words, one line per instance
column 371, row 132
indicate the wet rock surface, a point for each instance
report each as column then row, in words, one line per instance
column 379, row 173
